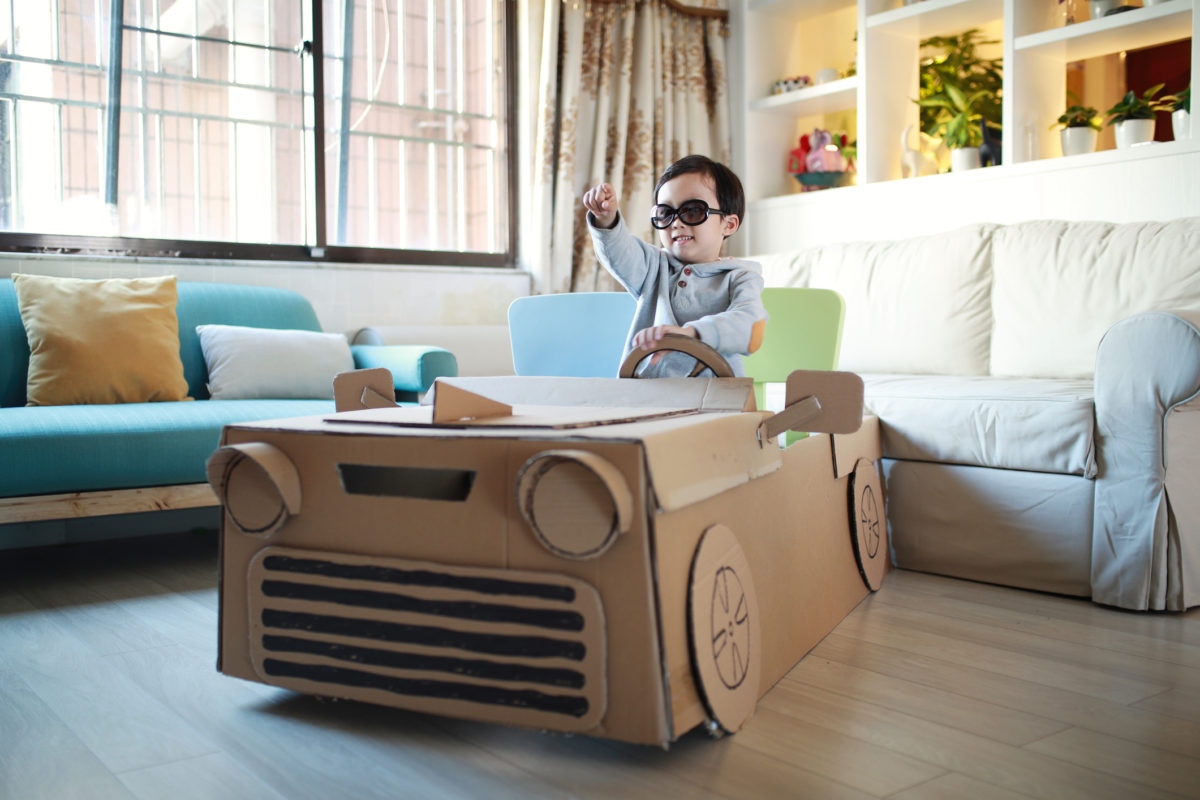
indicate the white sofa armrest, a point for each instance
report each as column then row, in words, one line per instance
column 1146, row 534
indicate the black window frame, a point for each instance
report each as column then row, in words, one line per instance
column 321, row 251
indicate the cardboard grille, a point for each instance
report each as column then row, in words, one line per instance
column 496, row 645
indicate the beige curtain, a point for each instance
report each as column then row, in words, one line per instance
column 625, row 87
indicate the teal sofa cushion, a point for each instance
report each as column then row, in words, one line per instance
column 56, row 449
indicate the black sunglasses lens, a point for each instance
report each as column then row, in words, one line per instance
column 662, row 216
column 693, row 213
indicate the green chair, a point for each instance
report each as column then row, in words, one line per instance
column 804, row 331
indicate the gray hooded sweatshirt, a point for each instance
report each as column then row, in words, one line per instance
column 720, row 299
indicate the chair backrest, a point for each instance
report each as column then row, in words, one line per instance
column 804, row 331
column 578, row 334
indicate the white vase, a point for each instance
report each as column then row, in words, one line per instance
column 1098, row 8
column 964, row 158
column 1133, row 132
column 1181, row 124
column 1078, row 140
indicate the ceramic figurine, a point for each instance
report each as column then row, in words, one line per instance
column 922, row 161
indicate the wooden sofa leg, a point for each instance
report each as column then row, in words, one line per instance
column 104, row 503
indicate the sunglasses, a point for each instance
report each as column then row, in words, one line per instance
column 693, row 212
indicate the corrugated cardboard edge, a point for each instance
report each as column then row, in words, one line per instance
column 702, row 394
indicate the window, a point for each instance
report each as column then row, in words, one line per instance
column 207, row 140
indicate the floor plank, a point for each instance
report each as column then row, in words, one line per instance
column 41, row 757
column 932, row 688
column 1134, row 723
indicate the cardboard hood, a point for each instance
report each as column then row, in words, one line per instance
column 698, row 437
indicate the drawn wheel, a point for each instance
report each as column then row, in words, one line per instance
column 724, row 629
column 730, row 628
column 868, row 523
column 706, row 357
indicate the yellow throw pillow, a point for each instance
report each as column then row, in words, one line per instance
column 100, row 341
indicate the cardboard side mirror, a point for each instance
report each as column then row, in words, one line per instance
column 819, row 402
column 364, row 388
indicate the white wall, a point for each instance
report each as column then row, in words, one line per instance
column 346, row 296
column 1154, row 182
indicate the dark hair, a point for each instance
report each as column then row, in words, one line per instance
column 730, row 195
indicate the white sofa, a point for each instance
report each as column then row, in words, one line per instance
column 1039, row 391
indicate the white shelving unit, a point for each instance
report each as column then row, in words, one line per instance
column 779, row 38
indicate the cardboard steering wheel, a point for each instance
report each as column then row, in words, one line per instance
column 706, row 357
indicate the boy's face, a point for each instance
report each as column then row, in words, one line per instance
column 694, row 244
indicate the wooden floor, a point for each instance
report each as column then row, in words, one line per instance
column 932, row 688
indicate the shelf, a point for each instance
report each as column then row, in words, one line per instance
column 795, row 36
column 799, row 9
column 826, row 98
column 1043, row 166
column 1129, row 30
column 922, row 20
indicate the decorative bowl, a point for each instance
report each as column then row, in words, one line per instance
column 811, row 181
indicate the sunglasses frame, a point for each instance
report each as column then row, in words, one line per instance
column 677, row 213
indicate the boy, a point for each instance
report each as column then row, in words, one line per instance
column 685, row 287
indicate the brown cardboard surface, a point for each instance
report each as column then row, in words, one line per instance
column 576, row 502
column 794, row 528
column 452, row 403
column 840, row 395
column 451, row 501
column 266, row 487
column 461, row 413
column 867, row 520
column 725, row 627
column 363, row 388
column 706, row 394
column 849, row 448
column 528, row 649
column 714, row 455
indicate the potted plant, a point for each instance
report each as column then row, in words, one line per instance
column 1133, row 116
column 1181, row 114
column 960, row 125
column 1080, row 128
column 960, row 95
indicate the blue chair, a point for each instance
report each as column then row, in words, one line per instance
column 578, row 334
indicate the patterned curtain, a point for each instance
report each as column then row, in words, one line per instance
column 625, row 87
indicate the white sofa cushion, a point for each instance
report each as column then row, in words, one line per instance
column 1058, row 286
column 919, row 305
column 1009, row 423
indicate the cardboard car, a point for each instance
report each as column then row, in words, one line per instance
column 622, row 558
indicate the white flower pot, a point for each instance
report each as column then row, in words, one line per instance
column 1098, row 8
column 964, row 158
column 1133, row 132
column 1181, row 124
column 1078, row 140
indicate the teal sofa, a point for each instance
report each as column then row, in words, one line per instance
column 63, row 462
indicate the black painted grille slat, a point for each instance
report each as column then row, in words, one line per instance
column 463, row 640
